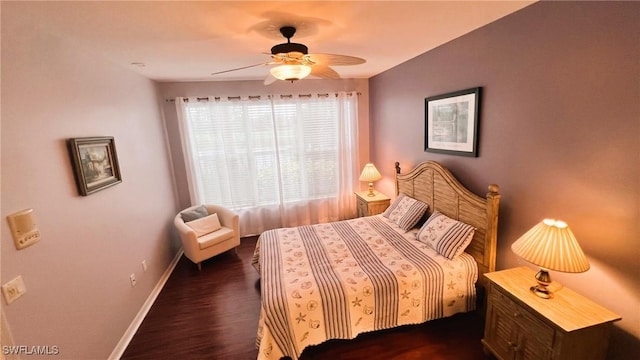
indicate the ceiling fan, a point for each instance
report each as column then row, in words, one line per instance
column 295, row 63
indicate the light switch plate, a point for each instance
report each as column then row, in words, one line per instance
column 13, row 289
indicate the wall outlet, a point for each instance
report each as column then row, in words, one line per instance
column 144, row 265
column 132, row 277
column 13, row 289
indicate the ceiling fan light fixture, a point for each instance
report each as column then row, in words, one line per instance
column 291, row 72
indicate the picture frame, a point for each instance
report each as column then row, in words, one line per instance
column 95, row 163
column 451, row 123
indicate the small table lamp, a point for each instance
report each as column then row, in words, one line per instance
column 552, row 246
column 370, row 174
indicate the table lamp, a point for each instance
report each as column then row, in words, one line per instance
column 552, row 246
column 370, row 174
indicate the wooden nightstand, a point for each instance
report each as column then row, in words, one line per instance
column 371, row 205
column 520, row 325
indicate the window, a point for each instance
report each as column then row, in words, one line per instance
column 270, row 152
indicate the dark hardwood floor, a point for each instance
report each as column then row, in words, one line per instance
column 213, row 314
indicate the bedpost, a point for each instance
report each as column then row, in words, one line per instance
column 493, row 204
column 397, row 173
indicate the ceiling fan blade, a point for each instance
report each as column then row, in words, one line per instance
column 334, row 59
column 241, row 68
column 270, row 79
column 324, row 71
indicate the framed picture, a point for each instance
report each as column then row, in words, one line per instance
column 95, row 163
column 451, row 123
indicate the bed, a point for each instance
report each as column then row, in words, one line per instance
column 338, row 280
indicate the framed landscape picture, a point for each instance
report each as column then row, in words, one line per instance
column 451, row 123
column 95, row 163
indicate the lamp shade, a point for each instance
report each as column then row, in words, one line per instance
column 290, row 72
column 552, row 246
column 370, row 173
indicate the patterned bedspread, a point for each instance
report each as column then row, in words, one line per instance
column 337, row 280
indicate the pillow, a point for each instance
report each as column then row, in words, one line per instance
column 448, row 237
column 405, row 211
column 197, row 213
column 205, row 225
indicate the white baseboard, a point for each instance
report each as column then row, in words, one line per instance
column 137, row 321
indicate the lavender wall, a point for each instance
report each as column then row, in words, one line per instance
column 77, row 277
column 559, row 132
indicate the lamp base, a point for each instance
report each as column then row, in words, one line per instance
column 544, row 280
column 371, row 193
column 541, row 291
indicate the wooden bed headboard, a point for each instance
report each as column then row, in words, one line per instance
column 433, row 184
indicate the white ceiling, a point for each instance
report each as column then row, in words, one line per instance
column 187, row 41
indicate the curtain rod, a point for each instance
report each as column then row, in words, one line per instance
column 258, row 97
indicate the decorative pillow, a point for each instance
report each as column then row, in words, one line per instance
column 205, row 225
column 405, row 211
column 448, row 237
column 197, row 213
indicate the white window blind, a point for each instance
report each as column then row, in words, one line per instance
column 254, row 155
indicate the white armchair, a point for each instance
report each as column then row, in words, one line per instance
column 199, row 248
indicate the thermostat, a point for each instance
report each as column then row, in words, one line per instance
column 23, row 228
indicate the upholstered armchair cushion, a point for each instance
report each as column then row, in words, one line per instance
column 205, row 225
column 215, row 237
